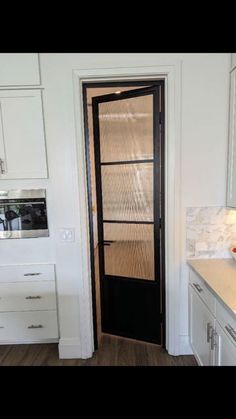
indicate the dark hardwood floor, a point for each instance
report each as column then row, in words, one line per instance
column 113, row 351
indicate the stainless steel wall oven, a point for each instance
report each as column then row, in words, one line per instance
column 23, row 214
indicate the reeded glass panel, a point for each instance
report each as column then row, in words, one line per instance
column 126, row 129
column 127, row 192
column 129, row 251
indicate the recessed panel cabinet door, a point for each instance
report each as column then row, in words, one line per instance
column 201, row 324
column 22, row 139
column 19, row 69
column 226, row 349
column 231, row 177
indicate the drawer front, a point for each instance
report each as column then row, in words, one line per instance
column 26, row 273
column 29, row 326
column 23, row 296
column 227, row 321
column 204, row 293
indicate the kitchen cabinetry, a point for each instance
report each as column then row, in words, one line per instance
column 231, row 176
column 22, row 140
column 212, row 327
column 233, row 60
column 28, row 309
column 19, row 69
column 225, row 349
column 201, row 327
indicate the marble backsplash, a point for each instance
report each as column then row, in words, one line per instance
column 210, row 232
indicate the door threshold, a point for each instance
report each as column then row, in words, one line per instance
column 130, row 339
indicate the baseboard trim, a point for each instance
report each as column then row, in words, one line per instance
column 69, row 348
column 27, row 342
column 185, row 348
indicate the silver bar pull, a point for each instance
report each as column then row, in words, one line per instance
column 32, row 274
column 213, row 339
column 209, row 332
column 33, row 297
column 197, row 286
column 33, row 326
column 2, row 327
column 231, row 331
column 2, row 170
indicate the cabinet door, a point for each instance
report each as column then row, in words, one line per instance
column 18, row 69
column 201, row 324
column 233, row 60
column 226, row 350
column 231, row 178
column 22, row 141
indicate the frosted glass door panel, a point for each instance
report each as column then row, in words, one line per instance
column 127, row 192
column 126, row 129
column 129, row 250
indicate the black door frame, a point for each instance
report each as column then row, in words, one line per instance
column 159, row 121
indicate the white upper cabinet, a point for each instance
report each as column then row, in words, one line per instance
column 19, row 69
column 231, row 178
column 233, row 60
column 22, row 139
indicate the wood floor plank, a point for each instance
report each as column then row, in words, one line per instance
column 113, row 351
column 4, row 350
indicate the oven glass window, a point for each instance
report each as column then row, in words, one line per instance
column 23, row 216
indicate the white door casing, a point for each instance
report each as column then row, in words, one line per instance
column 172, row 75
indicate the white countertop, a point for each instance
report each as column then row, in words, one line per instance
column 220, row 276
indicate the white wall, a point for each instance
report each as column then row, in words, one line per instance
column 204, row 141
column 204, row 138
column 205, row 96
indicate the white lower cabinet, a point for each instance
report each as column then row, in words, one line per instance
column 28, row 304
column 201, row 327
column 225, row 348
column 212, row 330
column 28, row 326
column 27, row 296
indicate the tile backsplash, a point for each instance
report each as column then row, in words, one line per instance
column 210, row 232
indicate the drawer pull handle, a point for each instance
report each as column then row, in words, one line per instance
column 231, row 331
column 209, row 332
column 213, row 339
column 2, row 327
column 33, row 297
column 33, row 326
column 2, row 169
column 32, row 274
column 197, row 286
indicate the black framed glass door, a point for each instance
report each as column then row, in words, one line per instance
column 129, row 179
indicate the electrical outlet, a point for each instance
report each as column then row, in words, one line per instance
column 67, row 234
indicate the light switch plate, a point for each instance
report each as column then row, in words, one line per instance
column 67, row 234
